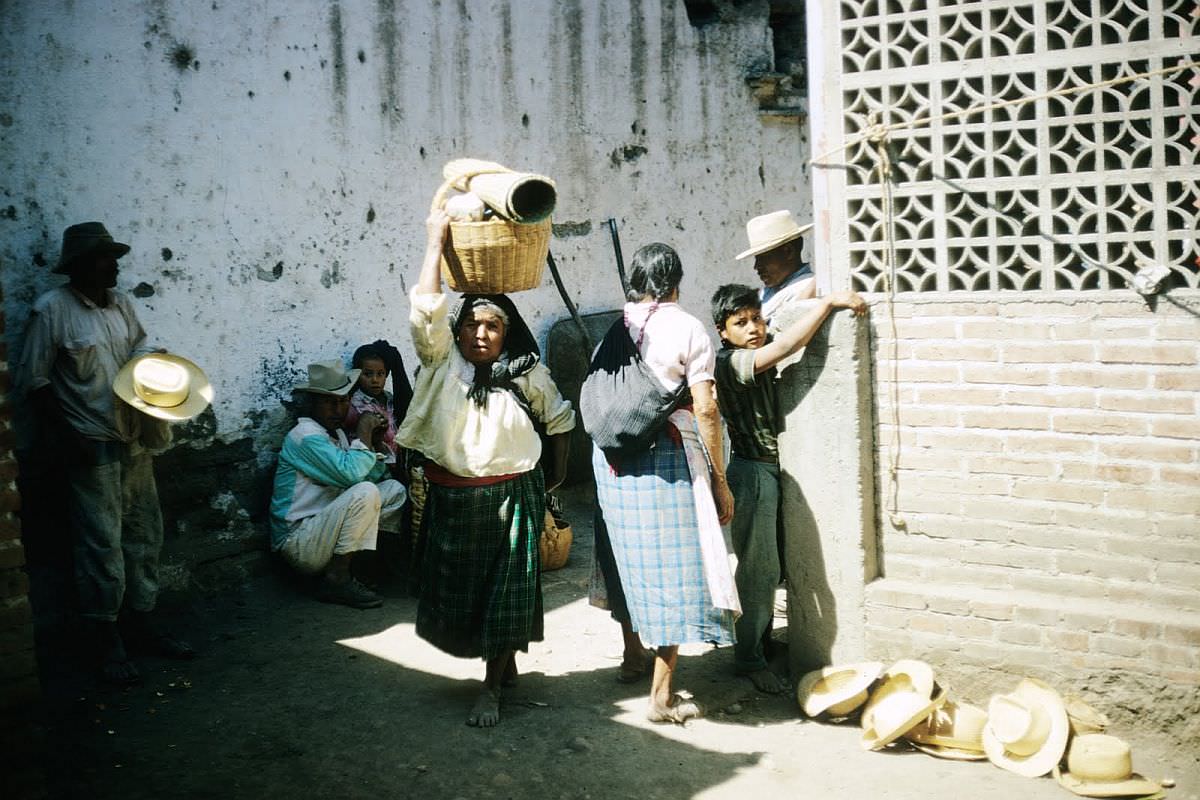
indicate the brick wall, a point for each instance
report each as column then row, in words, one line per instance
column 19, row 686
column 1047, row 495
column 18, row 669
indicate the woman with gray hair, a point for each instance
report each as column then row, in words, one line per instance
column 482, row 399
column 663, row 506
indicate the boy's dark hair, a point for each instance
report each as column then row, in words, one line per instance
column 369, row 351
column 656, row 272
column 731, row 298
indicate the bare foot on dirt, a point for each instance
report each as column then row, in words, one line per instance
column 679, row 712
column 635, row 665
column 766, row 681
column 486, row 713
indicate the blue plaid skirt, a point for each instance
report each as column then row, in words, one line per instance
column 651, row 516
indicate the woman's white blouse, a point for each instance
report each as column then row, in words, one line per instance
column 445, row 424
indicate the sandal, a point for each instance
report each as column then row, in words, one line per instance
column 679, row 712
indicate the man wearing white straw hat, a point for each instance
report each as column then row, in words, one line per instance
column 776, row 242
column 84, row 351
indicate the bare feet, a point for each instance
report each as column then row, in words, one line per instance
column 766, row 681
column 486, row 713
column 635, row 665
column 679, row 711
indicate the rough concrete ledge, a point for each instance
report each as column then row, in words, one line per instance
column 1140, row 664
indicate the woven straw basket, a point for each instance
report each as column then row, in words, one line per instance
column 555, row 543
column 493, row 256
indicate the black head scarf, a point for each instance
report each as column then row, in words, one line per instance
column 392, row 360
column 518, row 356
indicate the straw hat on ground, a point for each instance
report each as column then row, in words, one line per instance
column 1102, row 766
column 329, row 378
column 953, row 731
column 906, row 674
column 897, row 713
column 768, row 231
column 837, row 690
column 1083, row 718
column 164, row 385
column 1027, row 729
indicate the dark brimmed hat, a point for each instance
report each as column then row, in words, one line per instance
column 87, row 239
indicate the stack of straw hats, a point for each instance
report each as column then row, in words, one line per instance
column 1029, row 730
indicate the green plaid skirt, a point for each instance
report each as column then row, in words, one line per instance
column 481, row 585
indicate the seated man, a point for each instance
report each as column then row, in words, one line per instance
column 330, row 496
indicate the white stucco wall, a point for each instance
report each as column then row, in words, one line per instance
column 312, row 134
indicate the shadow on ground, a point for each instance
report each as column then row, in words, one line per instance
column 294, row 698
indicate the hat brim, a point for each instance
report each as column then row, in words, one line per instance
column 844, row 698
column 115, row 249
column 341, row 391
column 1050, row 753
column 776, row 242
column 952, row 753
column 200, row 393
column 1133, row 786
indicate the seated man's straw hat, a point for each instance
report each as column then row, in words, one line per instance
column 329, row 378
column 164, row 385
column 1102, row 766
column 837, row 690
column 953, row 731
column 1027, row 729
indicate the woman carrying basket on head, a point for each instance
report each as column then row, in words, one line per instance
column 480, row 396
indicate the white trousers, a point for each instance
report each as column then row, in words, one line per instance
column 348, row 524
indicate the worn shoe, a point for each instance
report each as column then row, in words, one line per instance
column 348, row 592
column 144, row 634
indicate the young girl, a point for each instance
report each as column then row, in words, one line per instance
column 378, row 360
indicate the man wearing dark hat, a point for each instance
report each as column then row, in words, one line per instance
column 79, row 336
column 332, row 496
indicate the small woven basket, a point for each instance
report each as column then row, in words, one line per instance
column 555, row 543
column 494, row 256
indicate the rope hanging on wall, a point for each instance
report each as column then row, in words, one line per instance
column 879, row 135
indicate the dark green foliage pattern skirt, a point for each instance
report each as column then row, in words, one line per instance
column 481, row 585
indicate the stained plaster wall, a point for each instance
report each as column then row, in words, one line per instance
column 271, row 163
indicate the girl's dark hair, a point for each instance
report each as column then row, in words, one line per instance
column 732, row 298
column 656, row 273
column 369, row 351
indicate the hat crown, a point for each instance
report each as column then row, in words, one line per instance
column 770, row 227
column 1021, row 727
column 160, row 382
column 85, row 238
column 952, row 725
column 768, row 231
column 1098, row 757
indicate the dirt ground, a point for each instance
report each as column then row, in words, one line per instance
column 292, row 698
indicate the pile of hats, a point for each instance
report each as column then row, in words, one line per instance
column 1028, row 730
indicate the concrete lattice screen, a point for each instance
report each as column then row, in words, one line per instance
column 1077, row 191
